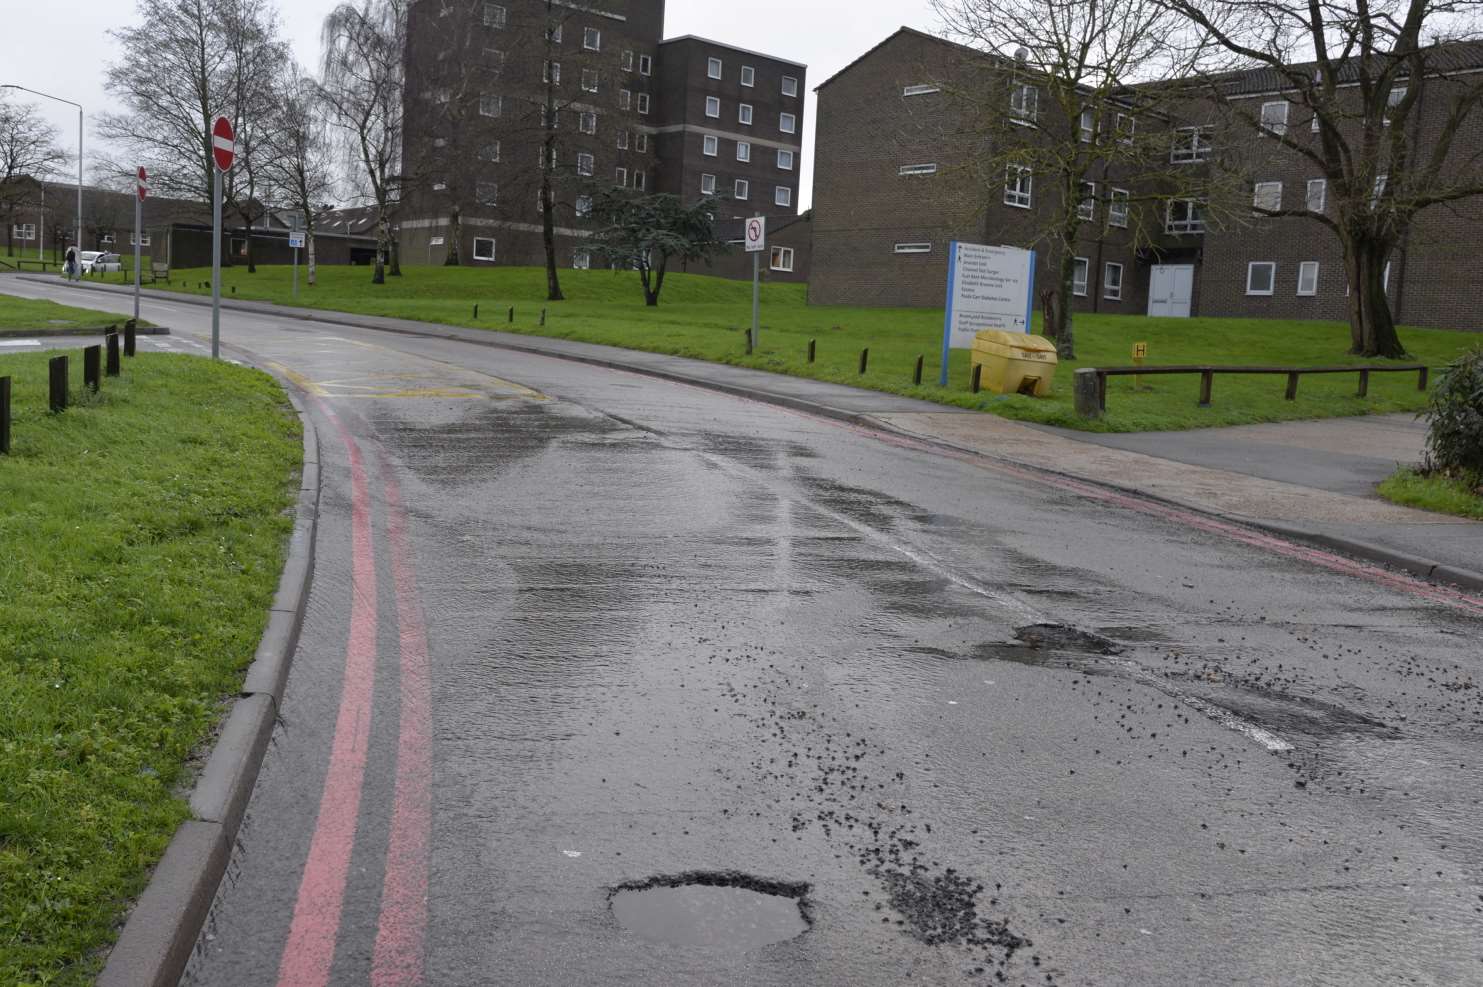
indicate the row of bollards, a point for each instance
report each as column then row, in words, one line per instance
column 511, row 314
column 975, row 383
column 97, row 360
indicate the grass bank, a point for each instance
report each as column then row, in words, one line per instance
column 703, row 317
column 1433, row 492
column 141, row 540
column 25, row 315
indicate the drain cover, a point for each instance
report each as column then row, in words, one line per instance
column 712, row 911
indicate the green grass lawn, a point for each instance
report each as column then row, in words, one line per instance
column 141, row 539
column 1433, row 492
column 703, row 317
column 43, row 318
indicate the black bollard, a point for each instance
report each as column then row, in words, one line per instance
column 476, row 312
column 916, row 377
column 747, row 335
column 92, row 368
column 811, row 350
column 543, row 317
column 864, row 358
column 57, row 369
column 978, row 369
column 129, row 329
column 512, row 315
column 112, row 340
column 4, row 416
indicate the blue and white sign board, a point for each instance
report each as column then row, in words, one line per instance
column 987, row 288
column 296, row 240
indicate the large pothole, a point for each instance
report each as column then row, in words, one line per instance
column 722, row 910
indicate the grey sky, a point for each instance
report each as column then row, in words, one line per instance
column 62, row 48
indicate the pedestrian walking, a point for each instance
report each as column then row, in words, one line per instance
column 70, row 267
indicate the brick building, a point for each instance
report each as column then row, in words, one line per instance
column 492, row 87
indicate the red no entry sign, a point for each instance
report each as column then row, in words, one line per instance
column 223, row 146
column 143, row 183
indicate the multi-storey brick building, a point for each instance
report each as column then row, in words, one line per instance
column 498, row 93
column 895, row 183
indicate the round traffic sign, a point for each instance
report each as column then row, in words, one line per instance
column 143, row 187
column 223, row 144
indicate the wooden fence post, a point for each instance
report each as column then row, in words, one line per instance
column 1364, row 383
column 1292, row 387
column 1207, row 384
column 1088, row 394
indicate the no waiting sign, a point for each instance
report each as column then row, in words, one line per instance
column 756, row 234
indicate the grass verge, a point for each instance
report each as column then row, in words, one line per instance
column 1433, row 492
column 703, row 317
column 142, row 539
column 48, row 318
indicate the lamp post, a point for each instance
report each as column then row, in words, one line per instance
column 78, row 235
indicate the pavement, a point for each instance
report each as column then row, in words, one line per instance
column 579, row 634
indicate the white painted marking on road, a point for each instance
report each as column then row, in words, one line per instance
column 572, row 853
column 20, row 342
column 1226, row 718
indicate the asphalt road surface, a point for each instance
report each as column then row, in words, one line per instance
column 575, row 631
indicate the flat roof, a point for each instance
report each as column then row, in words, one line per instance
column 722, row 44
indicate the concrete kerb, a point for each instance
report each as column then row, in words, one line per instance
column 56, row 331
column 1359, row 549
column 160, row 934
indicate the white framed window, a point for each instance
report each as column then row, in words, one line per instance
column 622, row 140
column 1308, row 278
column 489, row 151
column 782, row 195
column 551, row 73
column 487, row 193
column 1318, row 190
column 1117, row 208
column 1315, row 122
column 1379, row 191
column 743, row 188
column 440, row 142
column 1018, row 186
column 1274, row 117
column 1024, row 103
column 641, row 143
column 1125, row 125
column 546, row 160
column 1396, row 97
column 713, row 68
column 495, row 58
column 918, row 169
column 550, row 117
column 1190, row 144
column 748, row 75
column 1086, row 125
column 1086, row 206
column 1112, row 281
column 584, row 206
column 646, row 65
column 107, row 238
column 620, row 178
column 744, row 114
column 584, row 164
column 591, row 39
column 713, row 106
column 491, row 106
column 639, row 178
column 913, row 248
column 143, row 240
column 626, row 63
column 707, row 184
column 440, row 186
column 495, row 15
column 643, row 102
column 709, row 145
column 1385, row 278
column 919, row 90
column 589, row 80
column 553, row 32
column 1185, row 216
column 581, row 260
column 787, row 123
column 1261, row 277
column 785, row 160
column 1080, row 271
column 587, row 121
column 781, row 259
column 790, row 86
column 744, row 150
column 625, row 99
column 24, row 231
column 1266, row 196
column 484, row 248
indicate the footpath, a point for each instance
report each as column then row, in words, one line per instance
column 1312, row 481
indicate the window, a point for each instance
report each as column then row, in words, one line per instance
column 495, row 15
column 551, row 73
column 490, row 106
column 782, row 259
column 713, row 68
column 1396, row 97
column 641, row 143
column 441, row 95
column 1112, row 282
column 584, row 206
column 743, row 151
column 707, row 184
column 1274, row 117
column 487, row 193
column 1260, row 276
column 591, row 39
column 1308, row 277
column 625, row 99
column 550, row 117
column 1086, row 124
column 785, row 160
column 489, row 152
column 622, row 140
column 483, row 248
column 713, row 106
column 620, row 177
column 546, row 160
column 743, row 188
column 643, row 103
column 1267, row 197
column 589, row 80
column 1185, row 216
column 744, row 114
column 787, row 123
column 553, row 32
column 1315, row 122
column 626, row 62
column 1126, row 127
column 587, row 122
column 440, row 186
column 581, row 260
column 709, row 144
column 1190, row 144
column 639, row 178
column 918, row 169
column 106, row 238
column 495, row 58
column 1086, row 208
column 1318, row 189
column 1079, row 274
column 143, row 241
column 918, row 90
column 584, row 164
column 913, row 248
column 748, row 76
column 1117, row 208
column 440, row 142
column 1017, row 186
column 790, row 86
column 1379, row 192
column 1024, row 103
column 782, row 196
column 24, row 231
column 1385, row 278
column 646, row 65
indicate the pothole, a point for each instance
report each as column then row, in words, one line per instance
column 1059, row 637
column 723, row 910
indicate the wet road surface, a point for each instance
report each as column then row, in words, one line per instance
column 577, row 634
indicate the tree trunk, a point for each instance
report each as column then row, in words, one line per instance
column 378, row 273
column 651, row 298
column 251, row 263
column 1371, row 324
column 311, row 265
column 452, row 257
column 395, row 244
column 548, row 233
column 1058, row 320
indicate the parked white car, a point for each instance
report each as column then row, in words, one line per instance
column 98, row 262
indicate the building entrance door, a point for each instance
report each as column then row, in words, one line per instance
column 1171, row 288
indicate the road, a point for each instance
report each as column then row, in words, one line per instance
column 574, row 630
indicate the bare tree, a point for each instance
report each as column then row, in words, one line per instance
column 297, row 160
column 258, row 56
column 29, row 149
column 1360, row 72
column 361, row 87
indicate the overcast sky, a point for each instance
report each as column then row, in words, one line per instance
column 62, row 48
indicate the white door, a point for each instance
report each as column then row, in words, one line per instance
column 1171, row 288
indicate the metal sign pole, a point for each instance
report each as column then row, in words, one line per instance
column 756, row 293
column 138, row 219
column 296, row 274
column 216, row 268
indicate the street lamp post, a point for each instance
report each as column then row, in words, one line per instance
column 78, row 234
